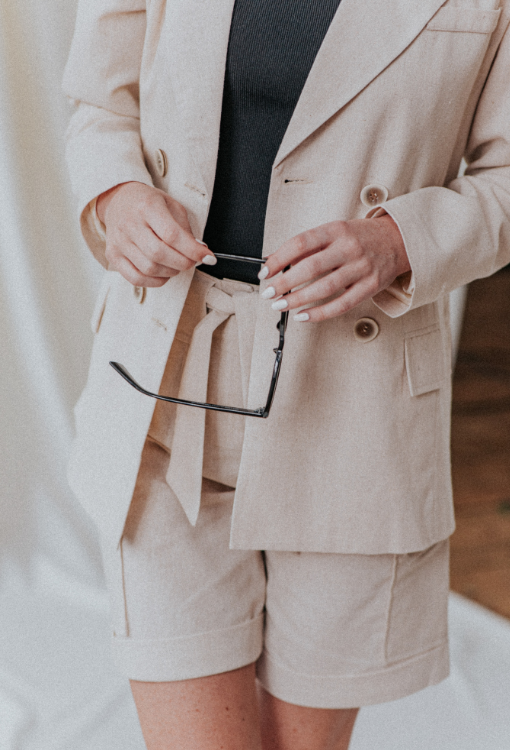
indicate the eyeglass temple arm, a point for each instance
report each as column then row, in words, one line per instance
column 261, row 412
column 214, row 407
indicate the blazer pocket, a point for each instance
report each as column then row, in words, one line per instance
column 470, row 20
column 100, row 305
column 425, row 361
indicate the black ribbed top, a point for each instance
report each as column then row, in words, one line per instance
column 272, row 46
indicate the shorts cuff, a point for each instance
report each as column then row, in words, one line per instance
column 188, row 657
column 353, row 691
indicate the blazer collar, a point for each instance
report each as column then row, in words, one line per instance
column 363, row 39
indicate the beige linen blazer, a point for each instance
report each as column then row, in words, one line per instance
column 354, row 457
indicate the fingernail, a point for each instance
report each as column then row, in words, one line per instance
column 301, row 317
column 201, row 243
column 264, row 273
column 268, row 293
column 210, row 260
column 281, row 304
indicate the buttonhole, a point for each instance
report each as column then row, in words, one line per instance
column 194, row 189
column 159, row 323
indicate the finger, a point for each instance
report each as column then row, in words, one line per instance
column 298, row 248
column 305, row 271
column 159, row 254
column 134, row 276
column 167, row 229
column 328, row 285
column 352, row 297
column 123, row 247
column 146, row 266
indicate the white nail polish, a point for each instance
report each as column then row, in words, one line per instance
column 301, row 317
column 281, row 304
column 210, row 260
column 201, row 243
column 263, row 273
column 268, row 293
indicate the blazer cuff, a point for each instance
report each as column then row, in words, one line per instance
column 93, row 229
column 397, row 298
column 93, row 220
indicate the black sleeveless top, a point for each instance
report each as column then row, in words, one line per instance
column 272, row 46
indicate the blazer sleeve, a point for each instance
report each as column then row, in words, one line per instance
column 103, row 142
column 460, row 232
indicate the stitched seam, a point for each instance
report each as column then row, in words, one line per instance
column 182, row 338
column 387, row 667
column 390, row 604
column 124, row 598
column 246, row 625
column 415, row 332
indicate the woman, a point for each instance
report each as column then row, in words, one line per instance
column 309, row 547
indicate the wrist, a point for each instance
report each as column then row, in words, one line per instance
column 396, row 242
column 104, row 200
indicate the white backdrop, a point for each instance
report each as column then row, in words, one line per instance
column 58, row 689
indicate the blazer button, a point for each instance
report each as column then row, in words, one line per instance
column 139, row 293
column 373, row 195
column 365, row 330
column 161, row 162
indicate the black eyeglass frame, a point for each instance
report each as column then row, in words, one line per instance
column 263, row 411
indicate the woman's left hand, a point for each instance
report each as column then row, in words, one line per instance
column 353, row 260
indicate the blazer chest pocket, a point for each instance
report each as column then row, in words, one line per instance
column 425, row 361
column 464, row 19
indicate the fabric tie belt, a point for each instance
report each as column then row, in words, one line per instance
column 184, row 473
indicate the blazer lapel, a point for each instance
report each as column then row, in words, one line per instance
column 196, row 42
column 363, row 39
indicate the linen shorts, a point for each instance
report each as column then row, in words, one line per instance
column 326, row 630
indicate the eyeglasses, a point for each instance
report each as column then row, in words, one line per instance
column 263, row 411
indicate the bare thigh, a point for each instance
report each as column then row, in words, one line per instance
column 224, row 712
column 285, row 726
column 219, row 712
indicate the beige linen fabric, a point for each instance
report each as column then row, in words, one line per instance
column 399, row 92
column 326, row 630
column 215, row 374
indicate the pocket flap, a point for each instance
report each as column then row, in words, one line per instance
column 425, row 361
column 99, row 307
column 471, row 20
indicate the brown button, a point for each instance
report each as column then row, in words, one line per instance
column 139, row 292
column 161, row 162
column 365, row 330
column 373, row 195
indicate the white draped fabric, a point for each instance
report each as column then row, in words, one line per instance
column 58, row 689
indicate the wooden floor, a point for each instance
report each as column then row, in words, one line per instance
column 480, row 563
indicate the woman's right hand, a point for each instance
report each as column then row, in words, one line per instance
column 148, row 236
